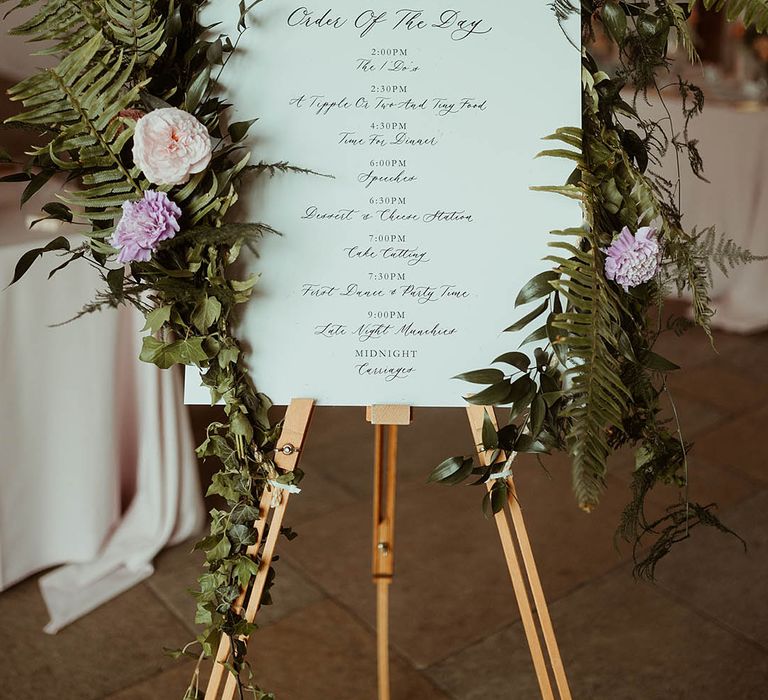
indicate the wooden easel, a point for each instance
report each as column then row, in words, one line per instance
column 386, row 420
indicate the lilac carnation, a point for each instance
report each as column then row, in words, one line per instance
column 632, row 260
column 143, row 225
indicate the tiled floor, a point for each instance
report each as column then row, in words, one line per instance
column 699, row 633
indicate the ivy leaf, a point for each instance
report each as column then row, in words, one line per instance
column 539, row 286
column 221, row 550
column 482, row 376
column 240, row 425
column 245, row 569
column 206, row 313
column 157, row 318
column 241, row 535
column 183, row 352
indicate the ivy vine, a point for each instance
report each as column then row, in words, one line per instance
column 592, row 386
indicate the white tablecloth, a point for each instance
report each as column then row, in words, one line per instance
column 97, row 465
column 734, row 146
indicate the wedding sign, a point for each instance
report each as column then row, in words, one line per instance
column 397, row 267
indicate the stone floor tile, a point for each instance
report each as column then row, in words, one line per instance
column 722, row 386
column 166, row 685
column 177, row 570
column 696, row 417
column 694, row 348
column 340, row 445
column 620, row 640
column 750, row 358
column 712, row 573
column 451, row 585
column 324, row 652
column 114, row 647
column 740, row 443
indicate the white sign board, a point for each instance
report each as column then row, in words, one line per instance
column 401, row 270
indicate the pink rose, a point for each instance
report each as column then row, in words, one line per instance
column 169, row 145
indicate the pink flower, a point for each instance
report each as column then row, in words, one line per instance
column 169, row 145
column 632, row 260
column 143, row 225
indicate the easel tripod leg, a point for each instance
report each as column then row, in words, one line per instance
column 385, row 420
column 384, row 488
column 287, row 456
column 476, row 419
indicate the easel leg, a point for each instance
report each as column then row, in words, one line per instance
column 385, row 420
column 476, row 418
column 287, row 458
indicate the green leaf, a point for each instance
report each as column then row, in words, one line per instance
column 221, row 550
column 26, row 261
column 490, row 435
column 115, row 280
column 197, row 90
column 239, row 130
column 240, row 425
column 615, row 21
column 245, row 569
column 37, row 182
column 16, row 177
column 206, row 313
column 516, row 359
column 538, row 334
column 157, row 318
column 184, row 352
column 539, row 286
column 59, row 211
column 482, row 376
column 525, row 320
column 656, row 362
column 499, row 496
column 241, row 535
column 538, row 414
column 520, row 388
column 447, row 469
column 493, row 395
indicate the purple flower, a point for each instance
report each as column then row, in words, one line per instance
column 143, row 225
column 632, row 260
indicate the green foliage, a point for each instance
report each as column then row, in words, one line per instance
column 595, row 385
column 118, row 58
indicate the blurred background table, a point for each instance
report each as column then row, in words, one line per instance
column 97, row 469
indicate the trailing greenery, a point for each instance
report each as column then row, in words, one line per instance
column 594, row 384
column 591, row 387
column 119, row 59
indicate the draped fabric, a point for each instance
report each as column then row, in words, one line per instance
column 734, row 145
column 97, row 467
